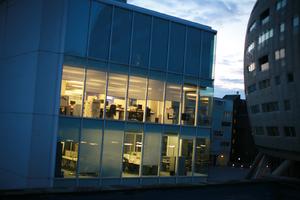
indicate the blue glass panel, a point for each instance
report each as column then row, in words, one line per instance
column 189, row 131
column 207, row 55
column 112, row 149
column 159, row 51
column 100, row 28
column 192, row 64
column 141, row 40
column 177, row 46
column 77, row 28
column 121, row 35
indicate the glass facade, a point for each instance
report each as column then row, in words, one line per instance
column 138, row 102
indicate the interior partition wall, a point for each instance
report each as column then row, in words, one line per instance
column 136, row 97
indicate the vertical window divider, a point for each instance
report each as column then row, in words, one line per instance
column 197, row 104
column 129, row 71
column 81, row 124
column 194, row 153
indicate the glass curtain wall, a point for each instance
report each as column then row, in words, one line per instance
column 173, row 99
column 94, row 100
column 72, row 85
column 116, row 94
column 155, row 101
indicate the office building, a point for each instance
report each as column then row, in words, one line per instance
column 243, row 150
column 100, row 92
column 271, row 71
column 221, row 132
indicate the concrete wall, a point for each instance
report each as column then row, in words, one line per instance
column 30, row 67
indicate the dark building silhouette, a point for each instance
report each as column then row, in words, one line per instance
column 243, row 150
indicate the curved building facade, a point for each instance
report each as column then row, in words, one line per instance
column 271, row 72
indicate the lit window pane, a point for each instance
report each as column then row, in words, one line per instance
column 189, row 104
column 115, row 100
column 136, row 98
column 185, row 157
column 173, row 99
column 94, row 94
column 205, row 106
column 201, row 157
column 132, row 154
column 71, row 91
column 169, row 155
column 155, row 104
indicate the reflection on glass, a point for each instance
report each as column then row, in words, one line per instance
column 169, row 155
column 201, row 157
column 152, row 144
column 141, row 40
column 90, row 146
column 155, row 103
column 112, row 149
column 132, row 154
column 185, row 157
column 121, row 34
column 205, row 106
column 94, row 94
column 172, row 107
column 100, row 28
column 115, row 100
column 189, row 104
column 67, row 148
column 136, row 98
column 71, row 91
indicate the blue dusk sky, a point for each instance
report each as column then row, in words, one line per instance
column 229, row 18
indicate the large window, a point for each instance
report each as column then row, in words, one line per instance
column 112, row 149
column 193, row 50
column 72, row 91
column 136, row 98
column 173, row 99
column 94, row 100
column 121, row 35
column 141, row 40
column 169, row 152
column 177, row 47
column 132, row 154
column 90, row 146
column 201, row 157
column 185, row 157
column 100, row 29
column 155, row 102
column 189, row 102
column 152, row 146
column 160, row 38
column 115, row 100
column 67, row 148
column 205, row 106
